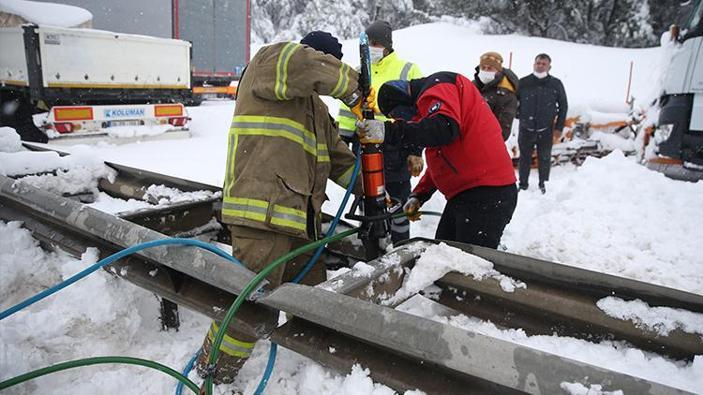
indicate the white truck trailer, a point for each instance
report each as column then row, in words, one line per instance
column 93, row 82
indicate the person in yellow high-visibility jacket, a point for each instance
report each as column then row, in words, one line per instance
column 399, row 163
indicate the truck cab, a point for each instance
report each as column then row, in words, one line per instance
column 678, row 136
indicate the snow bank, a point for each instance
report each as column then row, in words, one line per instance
column 111, row 205
column 43, row 13
column 163, row 195
column 658, row 319
column 9, row 140
column 612, row 355
column 595, row 78
column 127, row 131
column 28, row 162
column 71, row 174
column 155, row 196
column 615, row 216
column 612, row 142
column 440, row 259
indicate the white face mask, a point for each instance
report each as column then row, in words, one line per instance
column 376, row 54
column 486, row 76
column 540, row 75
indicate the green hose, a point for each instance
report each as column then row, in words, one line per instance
column 219, row 337
column 248, row 289
column 95, row 361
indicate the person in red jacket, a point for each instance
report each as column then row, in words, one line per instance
column 466, row 157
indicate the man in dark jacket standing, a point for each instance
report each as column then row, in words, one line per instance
column 466, row 157
column 542, row 110
column 498, row 86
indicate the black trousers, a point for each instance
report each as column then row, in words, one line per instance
column 400, row 227
column 527, row 141
column 478, row 215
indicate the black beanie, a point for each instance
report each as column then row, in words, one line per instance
column 323, row 42
column 381, row 32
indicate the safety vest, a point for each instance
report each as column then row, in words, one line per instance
column 387, row 69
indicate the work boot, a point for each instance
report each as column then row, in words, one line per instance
column 233, row 355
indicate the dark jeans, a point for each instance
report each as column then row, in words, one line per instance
column 400, row 227
column 478, row 215
column 527, row 141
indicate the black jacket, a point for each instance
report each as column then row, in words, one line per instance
column 395, row 162
column 500, row 94
column 540, row 101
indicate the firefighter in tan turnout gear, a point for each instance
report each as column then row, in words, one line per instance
column 283, row 146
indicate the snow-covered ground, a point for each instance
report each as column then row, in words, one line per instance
column 610, row 215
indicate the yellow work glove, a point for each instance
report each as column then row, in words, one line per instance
column 412, row 209
column 415, row 165
column 370, row 103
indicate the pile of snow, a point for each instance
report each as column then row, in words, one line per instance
column 130, row 131
column 163, row 195
column 658, row 319
column 112, row 205
column 44, row 13
column 613, row 355
column 9, row 140
column 595, row 78
column 155, row 196
column 440, row 259
column 615, row 216
column 76, row 173
column 612, row 142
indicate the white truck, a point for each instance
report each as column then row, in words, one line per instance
column 678, row 136
column 93, row 83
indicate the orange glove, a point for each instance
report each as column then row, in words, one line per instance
column 370, row 103
column 412, row 208
column 415, row 165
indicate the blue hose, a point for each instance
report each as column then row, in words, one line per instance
column 299, row 277
column 309, row 265
column 112, row 258
column 187, row 369
column 269, row 369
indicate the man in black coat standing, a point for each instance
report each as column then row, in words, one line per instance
column 542, row 107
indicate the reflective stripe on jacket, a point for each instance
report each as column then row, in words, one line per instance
column 282, row 143
column 387, row 69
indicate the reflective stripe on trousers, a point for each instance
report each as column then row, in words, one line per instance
column 230, row 345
